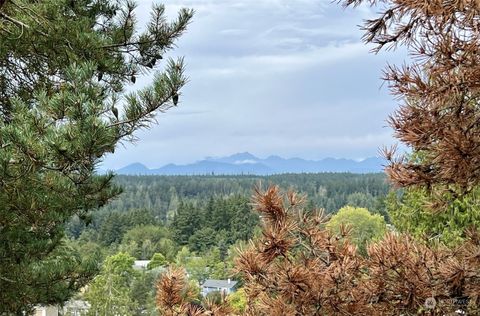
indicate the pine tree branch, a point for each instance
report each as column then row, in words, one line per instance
column 19, row 23
column 12, row 20
column 7, row 279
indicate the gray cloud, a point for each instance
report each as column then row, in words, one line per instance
column 271, row 77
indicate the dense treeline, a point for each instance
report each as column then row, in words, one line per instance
column 162, row 194
column 216, row 208
column 221, row 222
column 205, row 211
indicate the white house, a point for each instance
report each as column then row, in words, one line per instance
column 223, row 286
column 141, row 264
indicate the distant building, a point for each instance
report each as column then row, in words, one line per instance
column 141, row 264
column 223, row 286
column 76, row 308
column 45, row 311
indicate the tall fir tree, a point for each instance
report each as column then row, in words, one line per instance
column 64, row 69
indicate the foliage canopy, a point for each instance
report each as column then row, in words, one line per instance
column 364, row 226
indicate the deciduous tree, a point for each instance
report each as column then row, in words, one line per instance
column 365, row 227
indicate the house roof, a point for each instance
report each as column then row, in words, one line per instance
column 219, row 283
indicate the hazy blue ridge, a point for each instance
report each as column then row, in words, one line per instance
column 246, row 163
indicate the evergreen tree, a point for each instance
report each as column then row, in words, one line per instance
column 185, row 223
column 411, row 213
column 202, row 239
column 242, row 220
column 112, row 229
column 64, row 67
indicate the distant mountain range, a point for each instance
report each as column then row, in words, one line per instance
column 246, row 163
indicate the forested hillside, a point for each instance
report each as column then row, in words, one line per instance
column 162, row 194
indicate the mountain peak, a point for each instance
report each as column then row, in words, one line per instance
column 134, row 169
column 243, row 156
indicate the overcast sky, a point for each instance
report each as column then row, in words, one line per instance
column 271, row 77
